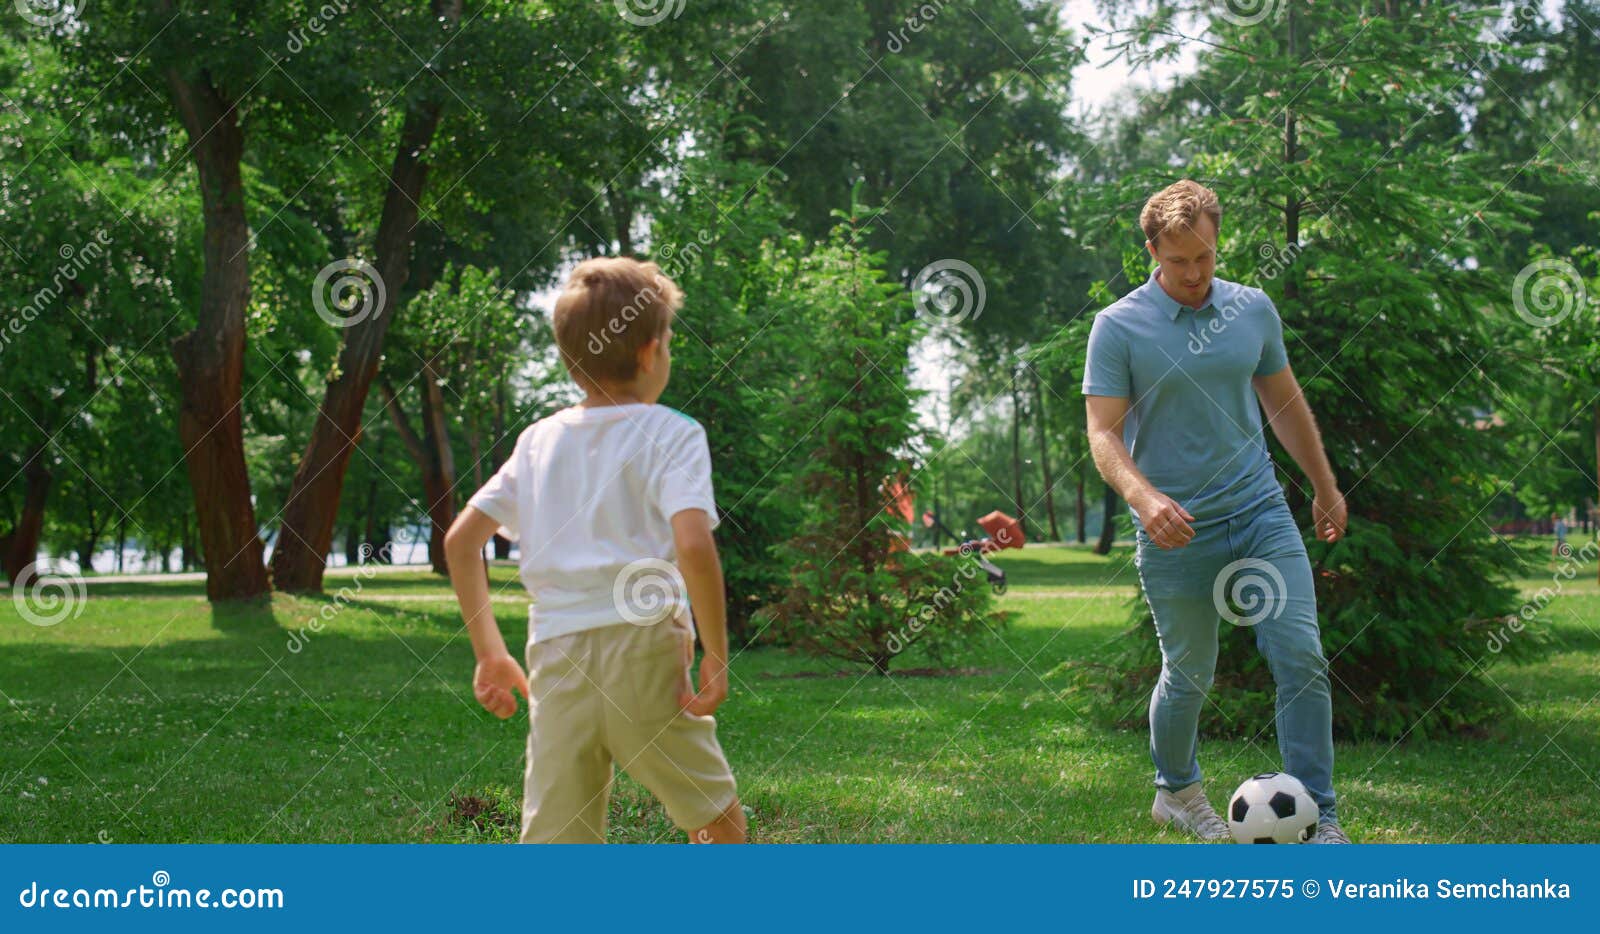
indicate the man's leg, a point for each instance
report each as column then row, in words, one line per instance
column 1177, row 586
column 1291, row 641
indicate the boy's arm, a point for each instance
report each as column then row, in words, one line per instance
column 498, row 675
column 702, row 573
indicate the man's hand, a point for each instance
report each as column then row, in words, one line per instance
column 496, row 683
column 1164, row 520
column 713, row 688
column 1328, row 515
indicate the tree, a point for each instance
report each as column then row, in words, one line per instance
column 854, row 595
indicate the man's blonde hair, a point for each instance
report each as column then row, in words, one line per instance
column 611, row 307
column 1179, row 206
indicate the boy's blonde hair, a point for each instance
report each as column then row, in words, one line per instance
column 1178, row 206
column 611, row 307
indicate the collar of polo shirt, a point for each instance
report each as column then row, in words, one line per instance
column 1172, row 306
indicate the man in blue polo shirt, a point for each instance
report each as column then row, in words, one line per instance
column 1174, row 374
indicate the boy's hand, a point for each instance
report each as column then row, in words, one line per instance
column 713, row 688
column 496, row 682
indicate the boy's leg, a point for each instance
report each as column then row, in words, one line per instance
column 672, row 753
column 1291, row 641
column 1177, row 585
column 567, row 780
column 728, row 828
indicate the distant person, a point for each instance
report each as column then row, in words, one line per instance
column 1561, row 550
column 612, row 502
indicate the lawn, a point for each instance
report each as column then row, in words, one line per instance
column 150, row 717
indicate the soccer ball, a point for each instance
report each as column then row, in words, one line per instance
column 1273, row 807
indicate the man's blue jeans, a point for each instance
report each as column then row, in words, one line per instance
column 1260, row 558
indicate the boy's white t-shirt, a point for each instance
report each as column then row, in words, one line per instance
column 589, row 493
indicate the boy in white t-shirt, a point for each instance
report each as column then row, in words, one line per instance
column 612, row 503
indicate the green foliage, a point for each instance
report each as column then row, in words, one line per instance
column 851, row 595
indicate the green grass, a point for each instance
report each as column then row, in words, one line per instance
column 151, row 717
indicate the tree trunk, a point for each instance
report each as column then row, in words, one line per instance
column 432, row 453
column 313, row 503
column 502, row 545
column 1016, row 455
column 210, row 358
column 1044, row 455
column 19, row 548
column 1597, row 468
column 1083, row 509
column 1108, row 523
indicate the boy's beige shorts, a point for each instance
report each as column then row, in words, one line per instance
column 611, row 695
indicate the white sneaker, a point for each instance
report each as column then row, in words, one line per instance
column 1328, row 832
column 1190, row 810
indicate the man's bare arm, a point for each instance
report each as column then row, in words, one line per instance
column 1166, row 522
column 1296, row 429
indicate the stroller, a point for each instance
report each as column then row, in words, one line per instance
column 1004, row 532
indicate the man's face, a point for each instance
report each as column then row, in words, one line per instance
column 1188, row 259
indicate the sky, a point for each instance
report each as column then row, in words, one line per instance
column 1095, row 85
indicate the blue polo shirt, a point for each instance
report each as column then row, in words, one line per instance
column 1194, row 423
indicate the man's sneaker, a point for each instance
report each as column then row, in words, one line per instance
column 1189, row 810
column 1328, row 832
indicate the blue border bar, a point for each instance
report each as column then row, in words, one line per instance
column 882, row 888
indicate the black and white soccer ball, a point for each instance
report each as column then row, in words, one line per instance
column 1273, row 807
